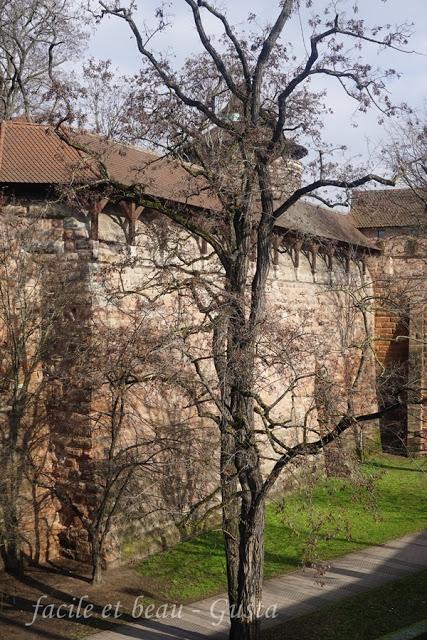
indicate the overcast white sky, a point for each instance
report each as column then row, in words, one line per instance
column 113, row 40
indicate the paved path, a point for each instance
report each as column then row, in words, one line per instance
column 416, row 631
column 294, row 593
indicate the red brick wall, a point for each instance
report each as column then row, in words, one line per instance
column 400, row 281
column 391, row 348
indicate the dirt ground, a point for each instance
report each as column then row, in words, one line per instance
column 65, row 583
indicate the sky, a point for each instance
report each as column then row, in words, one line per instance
column 360, row 133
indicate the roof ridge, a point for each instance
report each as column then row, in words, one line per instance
column 21, row 121
column 357, row 192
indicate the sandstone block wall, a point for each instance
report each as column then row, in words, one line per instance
column 315, row 303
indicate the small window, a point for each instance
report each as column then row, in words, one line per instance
column 380, row 234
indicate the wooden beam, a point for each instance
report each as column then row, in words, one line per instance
column 132, row 213
column 138, row 212
column 95, row 208
column 132, row 224
column 276, row 243
column 348, row 261
column 330, row 252
column 314, row 249
column 297, row 249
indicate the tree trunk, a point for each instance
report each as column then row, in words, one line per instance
column 230, row 512
column 11, row 551
column 245, row 618
column 245, row 611
column 36, row 510
column 240, row 630
column 243, row 328
column 12, row 559
column 96, row 562
column 360, row 443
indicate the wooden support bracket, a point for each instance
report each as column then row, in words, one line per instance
column 276, row 244
column 95, row 208
column 314, row 250
column 132, row 213
column 297, row 250
column 347, row 261
column 330, row 255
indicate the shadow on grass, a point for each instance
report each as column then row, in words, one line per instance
column 293, row 600
column 127, row 625
column 384, row 465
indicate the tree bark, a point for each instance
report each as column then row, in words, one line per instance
column 11, row 551
column 245, row 607
column 12, row 559
column 96, row 562
column 245, row 620
column 230, row 512
column 241, row 630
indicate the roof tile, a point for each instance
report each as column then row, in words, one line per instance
column 32, row 153
column 315, row 220
column 36, row 154
column 388, row 208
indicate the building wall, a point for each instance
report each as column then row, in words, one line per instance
column 309, row 304
column 400, row 280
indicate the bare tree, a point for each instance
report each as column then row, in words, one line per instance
column 409, row 160
column 31, row 32
column 119, row 365
column 32, row 299
column 105, row 103
column 226, row 118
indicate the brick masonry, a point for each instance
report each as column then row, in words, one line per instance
column 400, row 277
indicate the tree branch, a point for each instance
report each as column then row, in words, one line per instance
column 313, row 448
column 168, row 80
column 341, row 184
column 219, row 63
column 232, row 37
column 265, row 53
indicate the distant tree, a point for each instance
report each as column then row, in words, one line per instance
column 406, row 154
column 105, row 102
column 37, row 37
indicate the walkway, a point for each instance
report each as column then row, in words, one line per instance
column 294, row 593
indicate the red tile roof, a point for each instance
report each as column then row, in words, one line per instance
column 31, row 153
column 314, row 220
column 388, row 208
column 36, row 154
column 160, row 176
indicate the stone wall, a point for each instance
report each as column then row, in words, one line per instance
column 311, row 302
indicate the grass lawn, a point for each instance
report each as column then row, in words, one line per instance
column 366, row 616
column 330, row 520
